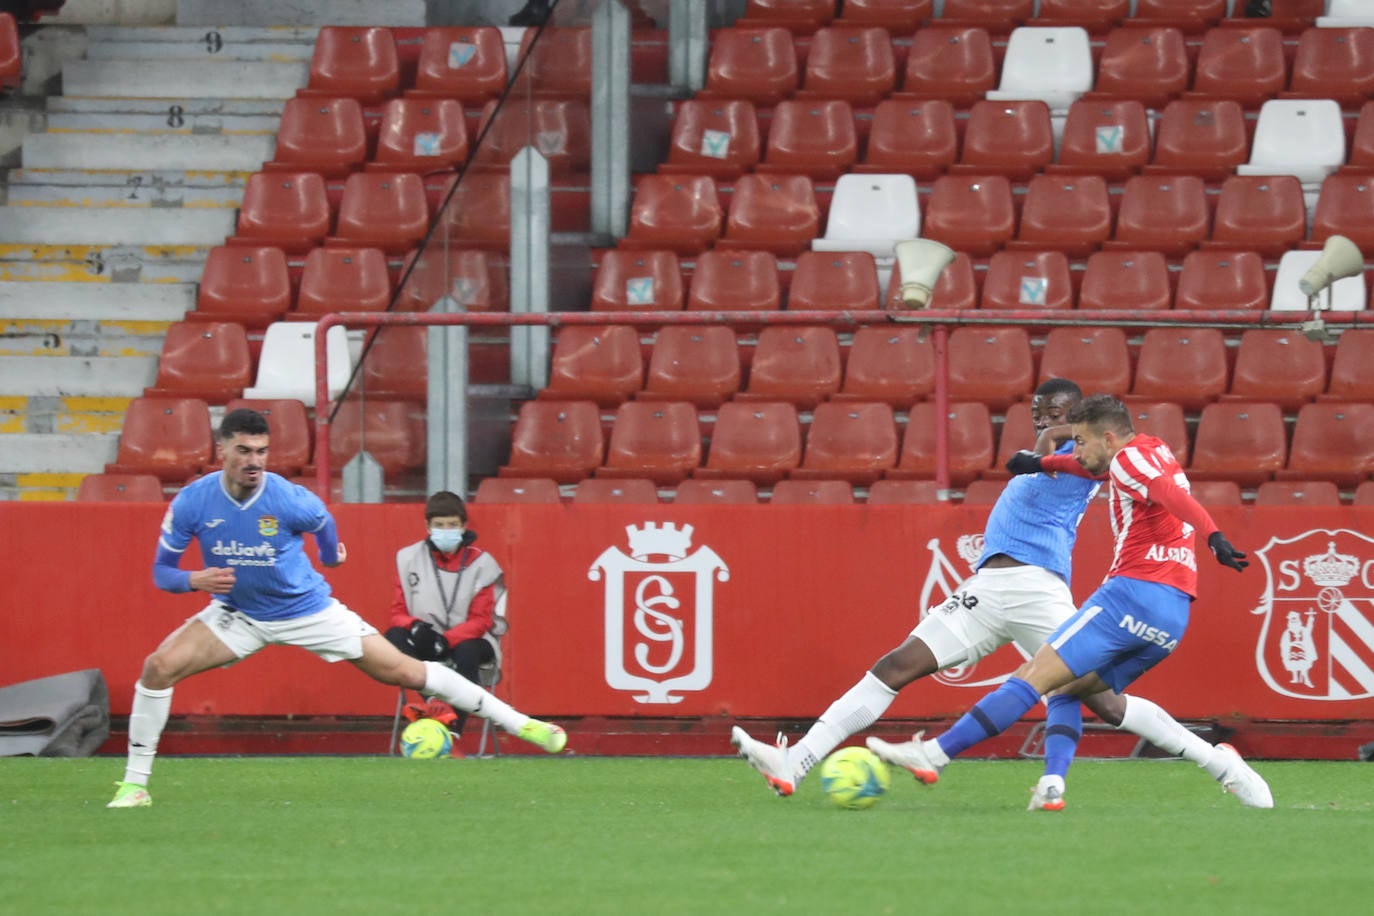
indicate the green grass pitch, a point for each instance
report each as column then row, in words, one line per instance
column 344, row 835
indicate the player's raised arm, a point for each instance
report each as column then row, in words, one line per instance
column 1164, row 491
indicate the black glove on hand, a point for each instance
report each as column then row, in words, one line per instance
column 1226, row 554
column 427, row 643
column 1024, row 462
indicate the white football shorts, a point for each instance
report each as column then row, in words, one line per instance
column 1020, row 604
column 334, row 634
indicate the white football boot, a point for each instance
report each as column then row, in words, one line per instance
column 768, row 759
column 910, row 755
column 1048, row 794
column 1243, row 782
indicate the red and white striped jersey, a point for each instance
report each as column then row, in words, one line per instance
column 1151, row 543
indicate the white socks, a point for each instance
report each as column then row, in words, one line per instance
column 861, row 706
column 456, row 690
column 147, row 718
column 1152, row 723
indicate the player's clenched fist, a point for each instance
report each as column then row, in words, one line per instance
column 217, row 580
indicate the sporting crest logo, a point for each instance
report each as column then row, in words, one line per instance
column 1317, row 639
column 942, row 586
column 267, row 525
column 659, row 612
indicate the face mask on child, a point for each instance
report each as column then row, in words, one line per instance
column 446, row 539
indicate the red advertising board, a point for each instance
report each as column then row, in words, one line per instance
column 735, row 611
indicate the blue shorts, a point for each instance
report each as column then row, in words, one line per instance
column 1124, row 629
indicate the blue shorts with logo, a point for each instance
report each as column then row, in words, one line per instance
column 1124, row 629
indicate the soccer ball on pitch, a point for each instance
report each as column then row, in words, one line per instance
column 426, row 739
column 854, row 777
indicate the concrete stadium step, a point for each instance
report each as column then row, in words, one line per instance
column 67, row 416
column 61, row 226
column 57, row 453
column 218, row 14
column 102, row 264
column 77, row 376
column 164, row 123
column 159, row 79
column 53, row 338
column 40, row 487
column 148, row 151
column 122, row 195
column 59, row 301
column 199, row 44
column 230, row 37
column 61, row 104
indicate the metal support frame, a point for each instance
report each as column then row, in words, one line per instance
column 610, row 202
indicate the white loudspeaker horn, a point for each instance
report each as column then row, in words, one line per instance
column 1339, row 258
column 921, row 262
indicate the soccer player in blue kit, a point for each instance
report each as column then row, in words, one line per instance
column 263, row 591
column 1019, row 593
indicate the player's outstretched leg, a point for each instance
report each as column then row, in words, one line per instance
column 910, row 755
column 463, row 694
column 768, row 759
column 1242, row 781
column 544, row 735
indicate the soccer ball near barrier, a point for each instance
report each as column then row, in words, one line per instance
column 426, row 739
column 854, row 777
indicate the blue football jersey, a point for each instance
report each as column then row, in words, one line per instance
column 260, row 538
column 1035, row 520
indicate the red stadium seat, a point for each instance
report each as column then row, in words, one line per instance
column 1364, row 494
column 1297, row 493
column 1098, row 359
column 1239, row 441
column 1068, row 213
column 321, row 135
column 903, row 493
column 1166, row 213
column 167, row 437
column 700, row 492
column 1216, row 492
column 1191, row 15
column 854, row 63
column 559, row 63
column 679, row 213
column 288, row 211
column 696, row 363
column 1203, row 137
column 1334, row 63
column 814, row 137
column 990, row 364
column 796, row 364
column 1097, row 16
column 396, row 364
column 1107, row 137
column 1261, row 213
column 421, row 135
column 1018, row 432
column 1149, row 65
column 249, row 285
column 1164, row 420
column 558, row 439
column 357, row 62
column 123, row 488
column 1352, row 370
column 997, row 16
column 954, row 63
column 560, row 129
column 1125, row 280
column 855, row 442
column 1222, row 280
column 970, row 443
column 1246, row 64
column 1362, row 143
column 1280, row 366
column 515, row 490
column 776, row 213
column 812, row 493
column 636, row 491
column 1183, row 365
column 735, row 281
column 209, row 360
column 637, row 281
column 596, row 363
column 1011, row 138
column 11, row 53
column 386, row 210
column 658, row 441
column 802, row 16
column 894, row 364
column 984, row 491
column 900, row 17
column 344, row 280
column 467, row 65
column 957, row 287
column 915, row 137
column 390, row 431
column 846, row 280
column 1333, row 442
column 293, row 435
column 1028, row 280
column 713, row 137
column 478, row 212
column 758, row 64
column 476, row 280
column 1345, row 207
column 973, row 214
column 753, row 441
